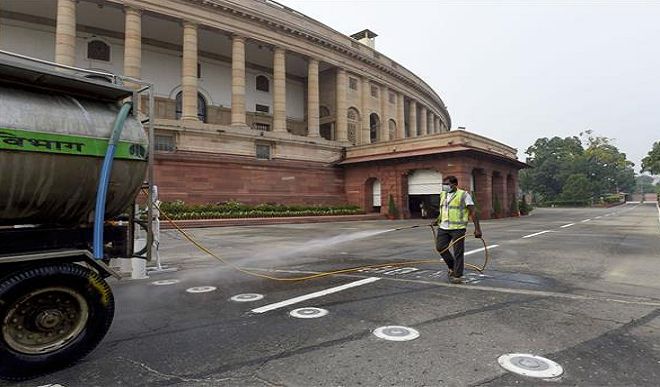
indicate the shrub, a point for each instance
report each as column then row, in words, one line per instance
column 178, row 210
column 497, row 206
column 524, row 207
column 391, row 208
column 514, row 205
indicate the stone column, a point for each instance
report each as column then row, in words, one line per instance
column 133, row 47
column 279, row 90
column 483, row 192
column 366, row 122
column 436, row 124
column 423, row 121
column 65, row 33
column 429, row 125
column 189, row 72
column 341, row 108
column 238, row 81
column 400, row 117
column 133, row 42
column 384, row 113
column 313, row 98
column 412, row 118
column 498, row 191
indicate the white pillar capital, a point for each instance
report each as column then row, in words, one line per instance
column 132, row 10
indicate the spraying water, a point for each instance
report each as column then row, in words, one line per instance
column 283, row 253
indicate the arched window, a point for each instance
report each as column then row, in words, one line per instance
column 353, row 124
column 201, row 106
column 323, row 112
column 374, row 127
column 392, row 129
column 263, row 84
column 98, row 50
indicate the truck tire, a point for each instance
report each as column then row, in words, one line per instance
column 51, row 315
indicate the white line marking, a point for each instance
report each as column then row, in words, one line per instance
column 567, row 225
column 598, row 217
column 536, row 233
column 584, row 221
column 309, row 296
column 480, row 249
column 650, row 302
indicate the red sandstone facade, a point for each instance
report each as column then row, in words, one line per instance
column 212, row 178
column 208, row 178
column 492, row 176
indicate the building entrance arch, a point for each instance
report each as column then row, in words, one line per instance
column 424, row 187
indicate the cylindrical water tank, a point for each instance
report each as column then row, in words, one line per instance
column 51, row 150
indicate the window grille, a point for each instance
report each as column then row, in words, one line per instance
column 98, row 50
column 263, row 151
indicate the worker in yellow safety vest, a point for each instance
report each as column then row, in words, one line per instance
column 455, row 207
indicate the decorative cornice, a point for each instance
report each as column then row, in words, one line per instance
column 352, row 49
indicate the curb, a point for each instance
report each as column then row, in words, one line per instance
column 202, row 223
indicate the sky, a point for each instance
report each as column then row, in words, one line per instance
column 518, row 70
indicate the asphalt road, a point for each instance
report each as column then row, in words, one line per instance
column 586, row 296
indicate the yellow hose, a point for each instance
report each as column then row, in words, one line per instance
column 325, row 273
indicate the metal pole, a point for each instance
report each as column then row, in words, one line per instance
column 150, row 175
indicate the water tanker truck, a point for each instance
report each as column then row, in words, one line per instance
column 73, row 158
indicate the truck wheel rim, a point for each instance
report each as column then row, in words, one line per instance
column 45, row 320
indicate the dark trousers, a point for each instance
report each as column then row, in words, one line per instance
column 454, row 262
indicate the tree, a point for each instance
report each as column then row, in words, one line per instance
column 608, row 169
column 651, row 163
column 595, row 158
column 576, row 188
column 644, row 183
column 552, row 161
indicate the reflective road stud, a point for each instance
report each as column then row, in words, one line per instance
column 396, row 333
column 308, row 312
column 166, row 282
column 247, row 297
column 530, row 365
column 201, row 289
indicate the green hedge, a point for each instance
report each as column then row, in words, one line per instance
column 567, row 203
column 609, row 199
column 179, row 210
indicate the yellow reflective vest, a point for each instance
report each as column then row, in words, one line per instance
column 455, row 212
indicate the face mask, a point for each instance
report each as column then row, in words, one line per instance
column 446, row 187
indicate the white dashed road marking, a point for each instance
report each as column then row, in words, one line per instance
column 309, row 296
column 586, row 220
column 480, row 249
column 536, row 233
column 567, row 225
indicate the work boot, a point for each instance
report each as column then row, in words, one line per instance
column 450, row 273
column 456, row 280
